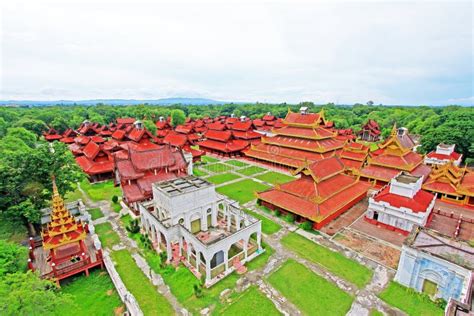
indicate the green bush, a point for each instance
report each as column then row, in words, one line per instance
column 290, row 218
column 441, row 303
column 277, row 213
column 306, row 226
column 115, row 199
column 134, row 226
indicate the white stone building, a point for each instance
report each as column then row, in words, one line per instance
column 207, row 232
column 401, row 204
column 444, row 153
column 438, row 266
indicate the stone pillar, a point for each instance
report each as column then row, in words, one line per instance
column 208, row 269
column 229, row 221
column 246, row 244
column 180, row 246
column 226, row 259
column 215, row 210
column 204, row 221
column 169, row 252
column 237, row 222
column 259, row 240
column 198, row 260
column 188, row 251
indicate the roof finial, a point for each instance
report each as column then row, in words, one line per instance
column 394, row 129
column 55, row 187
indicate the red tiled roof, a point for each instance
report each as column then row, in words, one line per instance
column 69, row 133
column 378, row 172
column 246, row 135
column 52, row 137
column 352, row 164
column 242, row 126
column 132, row 193
column 453, row 156
column 229, row 146
column 119, row 134
column 326, row 168
column 216, row 126
column 67, row 140
column 418, row 204
column 91, row 150
column 92, row 167
column 258, row 123
column 183, row 129
column 97, row 139
column 314, row 133
column 174, row 139
column 298, row 118
column 126, row 120
column 83, row 140
column 267, row 117
column 305, row 144
column 222, row 136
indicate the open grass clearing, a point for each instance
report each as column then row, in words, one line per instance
column 206, row 158
column 198, row 172
column 242, row 191
column 268, row 226
column 332, row 261
column 150, row 301
column 275, row 177
column 108, row 237
column 73, row 195
column 236, row 163
column 222, row 178
column 312, row 294
column 251, row 302
column 93, row 295
column 409, row 301
column 101, row 191
column 251, row 170
column 218, row 167
column 95, row 213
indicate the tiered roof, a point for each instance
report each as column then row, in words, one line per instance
column 138, row 168
column 371, row 129
column 323, row 191
column 393, row 156
column 63, row 228
column 354, row 155
column 303, row 138
column 95, row 159
column 52, row 135
column 222, row 140
column 450, row 179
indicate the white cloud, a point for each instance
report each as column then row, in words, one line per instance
column 345, row 52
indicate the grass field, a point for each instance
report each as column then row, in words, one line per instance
column 251, row 170
column 268, row 226
column 199, row 173
column 93, row 295
column 101, row 191
column 334, row 262
column 116, row 207
column 151, row 302
column 312, row 294
column 275, row 177
column 218, row 167
column 108, row 237
column 222, row 178
column 209, row 159
column 251, row 302
column 236, row 163
column 95, row 213
column 242, row 191
column 409, row 301
column 74, row 195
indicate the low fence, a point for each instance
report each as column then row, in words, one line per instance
column 126, row 297
column 454, row 216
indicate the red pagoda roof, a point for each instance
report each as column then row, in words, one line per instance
column 453, row 156
column 311, row 133
column 174, row 139
column 216, row 126
column 302, row 119
column 242, row 126
column 119, row 134
column 222, row 136
column 126, row 120
column 91, row 150
column 227, row 147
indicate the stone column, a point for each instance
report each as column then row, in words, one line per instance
column 198, row 260
column 246, row 243
column 259, row 240
column 180, row 246
column 208, row 269
column 169, row 253
column 237, row 222
column 226, row 259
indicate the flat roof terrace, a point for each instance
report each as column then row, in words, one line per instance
column 181, row 185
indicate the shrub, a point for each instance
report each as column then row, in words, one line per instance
column 441, row 303
column 163, row 258
column 134, row 226
column 146, row 242
column 277, row 213
column 289, row 218
column 306, row 226
column 115, row 199
column 197, row 291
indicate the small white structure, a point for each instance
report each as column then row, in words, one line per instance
column 444, row 153
column 437, row 265
column 401, row 204
column 207, row 232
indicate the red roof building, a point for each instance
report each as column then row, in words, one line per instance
column 370, row 132
column 393, row 156
column 401, row 205
column 452, row 184
column 222, row 142
column 137, row 167
column 243, row 129
column 302, row 138
column 182, row 141
column 51, row 135
column 443, row 154
column 354, row 155
column 96, row 162
column 125, row 121
column 88, row 129
column 322, row 193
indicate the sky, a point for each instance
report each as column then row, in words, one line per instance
column 346, row 52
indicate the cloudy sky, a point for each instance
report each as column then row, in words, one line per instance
column 286, row 51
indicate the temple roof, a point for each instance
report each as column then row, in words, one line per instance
column 304, row 120
column 418, row 204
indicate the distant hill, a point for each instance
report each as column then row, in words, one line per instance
column 165, row 101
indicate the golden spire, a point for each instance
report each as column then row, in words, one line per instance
column 394, row 130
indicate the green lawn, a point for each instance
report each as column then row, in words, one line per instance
column 334, row 262
column 93, row 295
column 251, row 302
column 108, row 237
column 209, row 159
column 236, row 163
column 218, row 167
column 222, row 178
column 95, row 213
column 409, row 301
column 116, row 207
column 242, row 191
column 275, row 177
column 151, row 302
column 74, row 195
column 125, row 219
column 375, row 312
column 268, row 226
column 251, row 170
column 101, row 191
column 312, row 294
column 199, row 173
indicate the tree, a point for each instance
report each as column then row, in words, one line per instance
column 177, row 117
column 21, row 133
column 27, row 294
column 150, row 126
column 60, row 124
column 12, row 258
column 33, row 125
